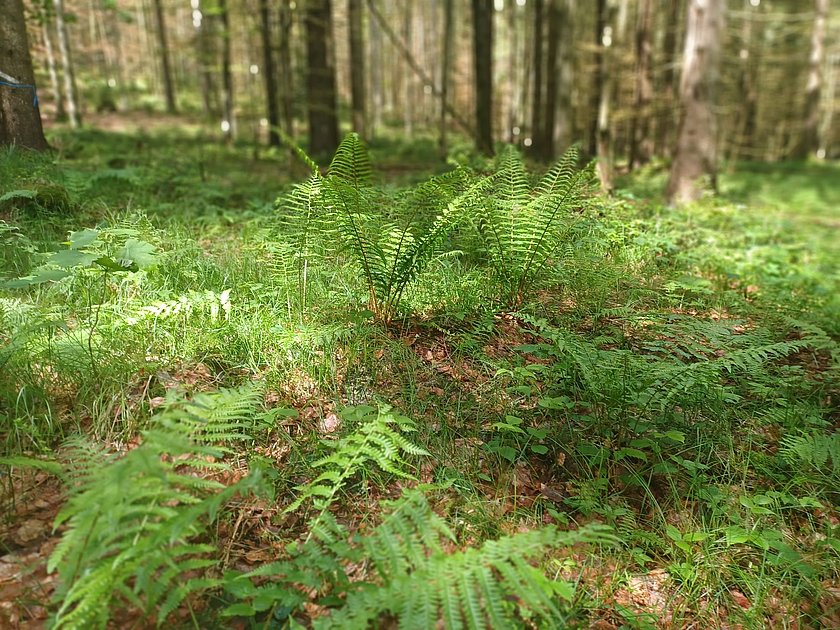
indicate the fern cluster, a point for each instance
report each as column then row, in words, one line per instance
column 134, row 522
column 393, row 239
column 413, row 579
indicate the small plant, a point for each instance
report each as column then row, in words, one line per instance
column 133, row 521
column 523, row 229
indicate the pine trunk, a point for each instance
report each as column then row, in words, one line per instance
column 357, row 67
column 320, row 80
column 165, row 66
column 483, row 60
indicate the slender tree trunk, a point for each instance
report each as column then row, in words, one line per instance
column 483, row 60
column 376, row 76
column 269, row 74
column 408, row 80
column 166, row 70
column 203, row 25
column 70, row 93
column 641, row 144
column 603, row 132
column 597, row 76
column 695, row 156
column 320, row 80
column 565, row 123
column 286, row 75
column 417, row 68
column 228, row 112
column 20, row 119
column 537, row 111
column 357, row 67
column 809, row 141
column 446, row 69
column 55, row 86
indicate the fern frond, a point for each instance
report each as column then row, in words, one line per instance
column 131, row 521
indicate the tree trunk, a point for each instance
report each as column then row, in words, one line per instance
column 809, row 141
column 206, row 54
column 555, row 23
column 55, row 86
column 445, row 71
column 20, row 120
column 695, row 155
column 320, row 80
column 286, row 76
column 665, row 119
column 357, row 67
column 269, row 75
column 408, row 80
column 66, row 60
column 377, row 90
column 537, row 111
column 641, row 144
column 228, row 113
column 166, row 70
column 483, row 60
column 597, row 77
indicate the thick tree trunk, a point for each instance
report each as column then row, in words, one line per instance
column 20, row 120
column 165, row 67
column 483, row 60
column 269, row 75
column 665, row 119
column 357, row 67
column 555, row 20
column 445, row 71
column 641, row 144
column 72, row 105
column 537, row 110
column 228, row 113
column 810, row 141
column 320, row 80
column 695, row 155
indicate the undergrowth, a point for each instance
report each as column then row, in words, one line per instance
column 487, row 399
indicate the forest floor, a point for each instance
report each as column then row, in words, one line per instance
column 673, row 376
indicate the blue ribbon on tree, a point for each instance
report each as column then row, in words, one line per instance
column 12, row 83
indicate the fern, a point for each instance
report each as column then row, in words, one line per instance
column 131, row 520
column 377, row 441
column 390, row 254
column 413, row 578
column 521, row 228
column 813, row 453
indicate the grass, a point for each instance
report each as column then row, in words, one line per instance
column 674, row 376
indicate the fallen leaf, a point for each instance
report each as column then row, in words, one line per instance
column 329, row 423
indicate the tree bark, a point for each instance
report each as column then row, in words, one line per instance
column 269, row 74
column 641, row 144
column 70, row 92
column 357, row 67
column 810, row 141
column 597, row 76
column 483, row 60
column 228, row 112
column 286, row 76
column 537, row 111
column 695, row 155
column 55, row 86
column 166, row 69
column 445, row 71
column 555, row 23
column 20, row 119
column 665, row 119
column 320, row 80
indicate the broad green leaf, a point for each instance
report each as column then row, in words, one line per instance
column 68, row 258
column 82, row 238
column 141, row 253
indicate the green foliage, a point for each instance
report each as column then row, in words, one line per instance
column 133, row 521
column 523, row 229
column 414, row 580
column 378, row 441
